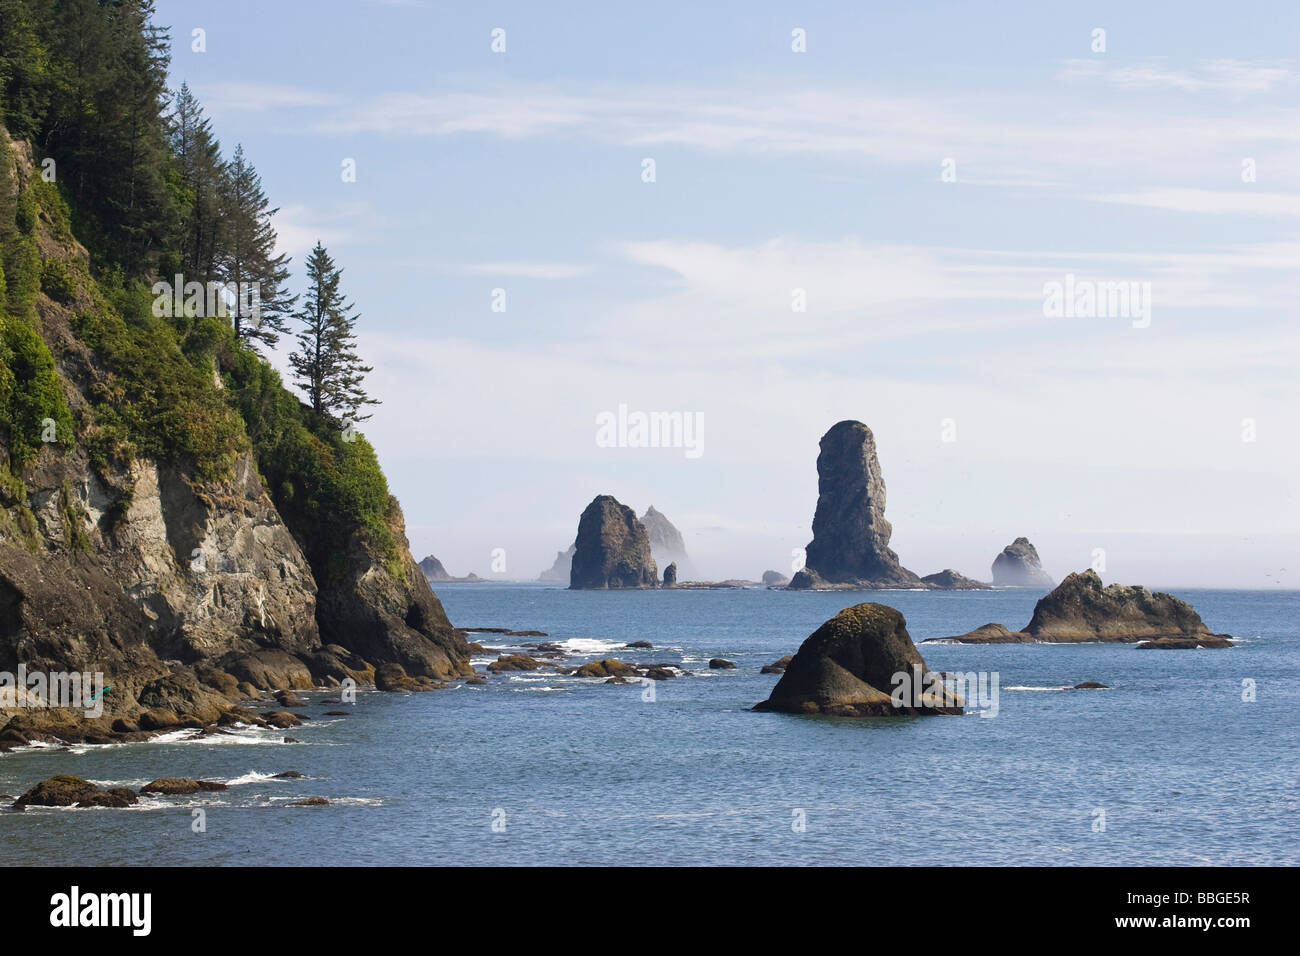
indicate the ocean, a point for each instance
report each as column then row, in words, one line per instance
column 1170, row 765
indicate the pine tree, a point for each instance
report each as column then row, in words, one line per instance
column 249, row 255
column 198, row 155
column 326, row 366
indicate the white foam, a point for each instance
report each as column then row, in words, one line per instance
column 586, row 645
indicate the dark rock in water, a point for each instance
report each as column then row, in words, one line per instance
column 666, row 542
column 851, row 665
column 646, row 645
column 658, row 673
column 608, row 667
column 1089, row 685
column 288, row 699
column 1209, row 642
column 775, row 579
column 1081, row 609
column 310, row 802
column 670, row 575
column 950, row 580
column 721, row 663
column 850, row 545
column 64, row 790
column 288, row 775
column 616, row 680
column 984, row 634
column 514, row 662
column 559, row 571
column 777, row 667
column 112, row 797
column 337, row 713
column 476, row 681
column 281, row 719
column 179, row 786
column 1018, row 567
column 613, row 550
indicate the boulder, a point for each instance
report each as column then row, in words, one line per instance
column 514, row 662
column 612, row 550
column 608, row 667
column 850, row 545
column 1018, row 567
column 777, row 667
column 721, row 663
column 65, row 790
column 851, row 665
column 180, row 786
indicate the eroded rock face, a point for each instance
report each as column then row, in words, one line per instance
column 612, row 549
column 1082, row 609
column 847, row 668
column 1018, row 567
column 850, row 544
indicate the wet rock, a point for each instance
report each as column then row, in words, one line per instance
column 607, row 667
column 1089, row 685
column 721, row 663
column 514, row 662
column 310, row 802
column 288, row 775
column 777, row 667
column 851, row 665
column 181, row 786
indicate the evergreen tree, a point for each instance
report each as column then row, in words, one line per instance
column 202, row 173
column 249, row 255
column 326, row 366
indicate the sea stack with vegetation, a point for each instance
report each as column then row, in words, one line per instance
column 171, row 515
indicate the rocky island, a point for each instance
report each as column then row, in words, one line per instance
column 612, row 549
column 1017, row 566
column 1082, row 610
column 850, row 667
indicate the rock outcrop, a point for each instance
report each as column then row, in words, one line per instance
column 559, row 571
column 950, row 580
column 1081, row 610
column 612, row 549
column 670, row 575
column 666, row 543
column 774, row 579
column 1018, row 567
column 850, row 545
column 852, row 666
column 184, row 585
column 435, row 573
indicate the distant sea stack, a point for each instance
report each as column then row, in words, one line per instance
column 775, row 579
column 1081, row 610
column 666, row 543
column 436, row 573
column 850, row 545
column 612, row 549
column 559, row 571
column 950, row 580
column 848, row 668
column 1018, row 567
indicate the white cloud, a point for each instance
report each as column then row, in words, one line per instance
column 1224, row 75
column 229, row 97
column 1243, row 202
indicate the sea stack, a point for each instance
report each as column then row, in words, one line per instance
column 666, row 543
column 850, row 545
column 670, row 575
column 612, row 549
column 851, row 666
column 1018, row 567
column 559, row 571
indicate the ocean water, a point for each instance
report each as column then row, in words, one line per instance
column 1168, row 766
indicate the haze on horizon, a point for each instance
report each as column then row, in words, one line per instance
column 921, row 173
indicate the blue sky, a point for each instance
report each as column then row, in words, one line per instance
column 820, row 171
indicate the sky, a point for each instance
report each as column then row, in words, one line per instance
column 866, row 228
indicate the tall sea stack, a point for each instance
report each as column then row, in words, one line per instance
column 1018, row 567
column 850, row 545
column 612, row 549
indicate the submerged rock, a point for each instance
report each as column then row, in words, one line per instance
column 850, row 545
column 613, row 549
column 1089, row 685
column 1018, row 567
column 851, row 666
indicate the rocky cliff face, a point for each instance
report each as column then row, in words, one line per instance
column 666, row 543
column 612, row 549
column 175, row 585
column 850, row 543
column 1018, row 567
column 849, row 668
